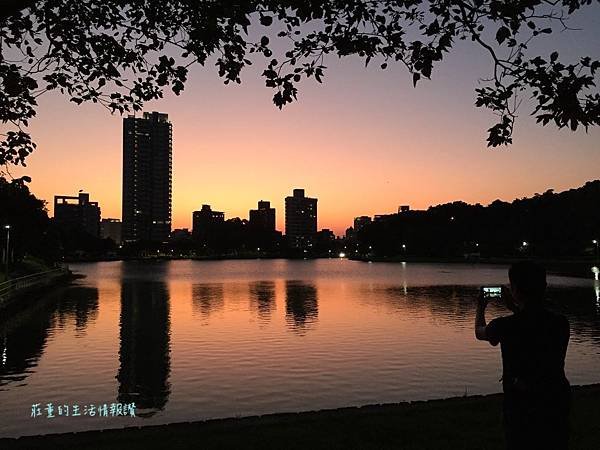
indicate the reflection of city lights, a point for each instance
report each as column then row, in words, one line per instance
column 4, row 355
column 596, row 272
column 342, row 255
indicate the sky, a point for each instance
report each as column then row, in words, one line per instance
column 363, row 142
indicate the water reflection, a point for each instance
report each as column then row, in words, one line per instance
column 301, row 305
column 144, row 353
column 79, row 303
column 581, row 307
column 23, row 335
column 207, row 298
column 262, row 298
column 454, row 306
column 21, row 346
column 446, row 304
column 384, row 337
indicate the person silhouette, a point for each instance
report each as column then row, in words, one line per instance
column 533, row 340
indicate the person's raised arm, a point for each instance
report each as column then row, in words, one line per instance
column 480, row 325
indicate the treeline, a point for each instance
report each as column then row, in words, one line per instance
column 553, row 225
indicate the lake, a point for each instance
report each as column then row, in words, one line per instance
column 190, row 340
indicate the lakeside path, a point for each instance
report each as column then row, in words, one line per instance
column 456, row 423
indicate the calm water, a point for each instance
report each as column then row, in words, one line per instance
column 189, row 340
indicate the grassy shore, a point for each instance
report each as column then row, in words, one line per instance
column 457, row 423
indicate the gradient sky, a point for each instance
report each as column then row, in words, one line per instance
column 363, row 142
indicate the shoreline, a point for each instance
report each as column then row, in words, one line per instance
column 23, row 296
column 472, row 422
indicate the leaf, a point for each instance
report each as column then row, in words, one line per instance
column 502, row 33
column 416, row 77
column 266, row 20
column 553, row 56
column 264, row 41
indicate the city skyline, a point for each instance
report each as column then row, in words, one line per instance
column 374, row 142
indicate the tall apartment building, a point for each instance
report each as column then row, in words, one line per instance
column 147, row 169
column 361, row 222
column 72, row 213
column 300, row 219
column 206, row 221
column 263, row 218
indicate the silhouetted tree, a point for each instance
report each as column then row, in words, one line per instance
column 123, row 53
column 548, row 225
column 31, row 231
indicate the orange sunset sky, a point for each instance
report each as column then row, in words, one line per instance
column 363, row 142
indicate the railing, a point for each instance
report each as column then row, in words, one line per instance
column 15, row 285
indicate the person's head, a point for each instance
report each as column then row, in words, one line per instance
column 527, row 283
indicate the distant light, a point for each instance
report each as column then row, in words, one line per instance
column 403, row 245
column 7, row 227
column 342, row 255
column 594, row 241
column 596, row 272
column 476, row 244
column 258, row 249
column 452, row 218
column 525, row 244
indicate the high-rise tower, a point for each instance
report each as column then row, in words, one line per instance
column 147, row 159
column 300, row 219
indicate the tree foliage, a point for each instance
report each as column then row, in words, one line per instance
column 123, row 53
column 552, row 225
column 31, row 230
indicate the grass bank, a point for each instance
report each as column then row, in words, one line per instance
column 457, row 423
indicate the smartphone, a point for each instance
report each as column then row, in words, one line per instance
column 492, row 292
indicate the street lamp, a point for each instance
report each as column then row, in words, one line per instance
column 7, row 228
